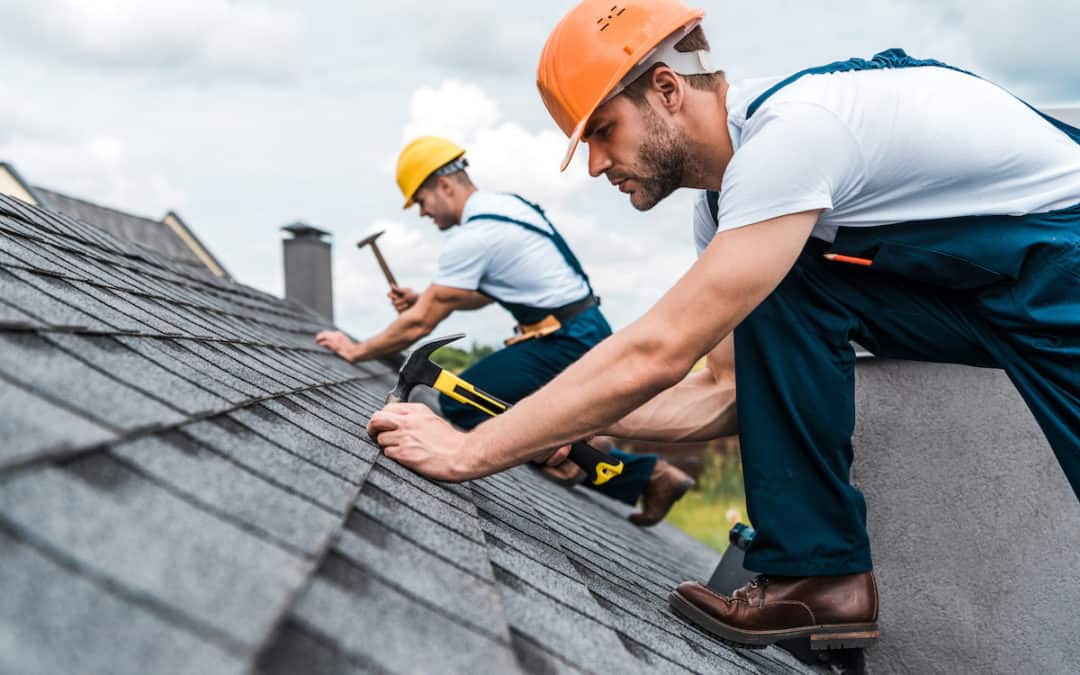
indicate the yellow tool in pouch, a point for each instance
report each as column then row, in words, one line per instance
column 546, row 326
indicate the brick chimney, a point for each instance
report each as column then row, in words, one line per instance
column 308, row 269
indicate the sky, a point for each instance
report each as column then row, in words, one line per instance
column 244, row 116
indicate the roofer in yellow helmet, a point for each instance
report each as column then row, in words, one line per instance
column 899, row 202
column 502, row 248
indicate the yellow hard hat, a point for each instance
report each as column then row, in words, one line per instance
column 421, row 158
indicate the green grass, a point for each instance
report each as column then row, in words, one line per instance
column 709, row 510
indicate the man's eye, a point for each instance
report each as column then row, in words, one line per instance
column 604, row 131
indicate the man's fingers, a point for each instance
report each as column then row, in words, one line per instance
column 559, row 456
column 393, row 417
column 384, row 420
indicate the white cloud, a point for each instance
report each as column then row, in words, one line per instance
column 208, row 36
column 100, row 168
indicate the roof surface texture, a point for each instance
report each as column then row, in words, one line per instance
column 156, row 235
column 186, row 487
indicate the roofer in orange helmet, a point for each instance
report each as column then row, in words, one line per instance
column 502, row 248
column 958, row 205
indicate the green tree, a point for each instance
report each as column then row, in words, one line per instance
column 456, row 360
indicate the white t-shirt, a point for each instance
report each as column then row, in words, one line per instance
column 507, row 261
column 888, row 146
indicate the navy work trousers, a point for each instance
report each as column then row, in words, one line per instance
column 514, row 372
column 992, row 291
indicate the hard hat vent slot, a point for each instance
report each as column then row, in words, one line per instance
column 605, row 20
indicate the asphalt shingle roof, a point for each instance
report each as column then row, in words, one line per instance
column 155, row 235
column 186, row 487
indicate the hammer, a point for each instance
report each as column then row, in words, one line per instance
column 378, row 255
column 418, row 368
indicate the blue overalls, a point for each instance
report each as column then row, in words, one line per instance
column 514, row 372
column 990, row 291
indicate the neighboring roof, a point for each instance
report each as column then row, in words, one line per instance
column 186, row 486
column 170, row 236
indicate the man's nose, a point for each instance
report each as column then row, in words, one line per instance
column 599, row 161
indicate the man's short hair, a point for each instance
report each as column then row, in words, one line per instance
column 695, row 40
column 455, row 171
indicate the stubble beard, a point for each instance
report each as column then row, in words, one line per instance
column 662, row 160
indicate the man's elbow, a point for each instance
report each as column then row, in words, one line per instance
column 660, row 364
column 418, row 328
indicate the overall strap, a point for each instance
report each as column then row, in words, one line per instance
column 886, row 60
column 553, row 235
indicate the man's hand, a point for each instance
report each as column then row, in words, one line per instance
column 402, row 298
column 339, row 343
column 412, row 435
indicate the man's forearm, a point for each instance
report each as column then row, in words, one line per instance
column 739, row 269
column 404, row 331
column 697, row 409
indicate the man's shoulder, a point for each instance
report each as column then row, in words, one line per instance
column 501, row 205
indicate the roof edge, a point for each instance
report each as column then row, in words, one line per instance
column 30, row 195
column 177, row 225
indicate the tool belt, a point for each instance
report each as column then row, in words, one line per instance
column 552, row 322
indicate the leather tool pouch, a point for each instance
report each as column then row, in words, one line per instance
column 546, row 326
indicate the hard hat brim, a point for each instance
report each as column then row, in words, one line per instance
column 575, row 138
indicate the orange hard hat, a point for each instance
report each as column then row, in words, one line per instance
column 595, row 46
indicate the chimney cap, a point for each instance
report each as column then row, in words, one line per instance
column 301, row 230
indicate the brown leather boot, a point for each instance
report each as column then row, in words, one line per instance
column 667, row 484
column 836, row 612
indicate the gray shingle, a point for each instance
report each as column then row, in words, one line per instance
column 298, row 649
column 26, row 252
column 425, row 531
column 143, row 538
column 466, row 593
column 460, row 521
column 73, row 296
column 267, row 362
column 31, row 359
column 55, row 621
column 118, row 302
column 32, row 301
column 209, row 378
column 217, row 356
column 188, row 466
column 32, row 426
column 109, row 355
column 348, row 463
column 392, row 630
column 210, row 362
column 321, row 427
column 274, row 463
column 13, row 318
column 562, row 631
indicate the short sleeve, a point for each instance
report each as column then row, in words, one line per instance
column 704, row 225
column 796, row 157
column 463, row 261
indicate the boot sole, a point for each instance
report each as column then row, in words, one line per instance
column 829, row 636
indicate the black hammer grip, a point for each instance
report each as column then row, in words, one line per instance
column 599, row 466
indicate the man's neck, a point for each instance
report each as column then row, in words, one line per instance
column 709, row 139
column 464, row 199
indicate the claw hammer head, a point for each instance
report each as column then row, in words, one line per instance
column 370, row 241
column 419, row 368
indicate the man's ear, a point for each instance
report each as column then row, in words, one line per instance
column 445, row 186
column 669, row 88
